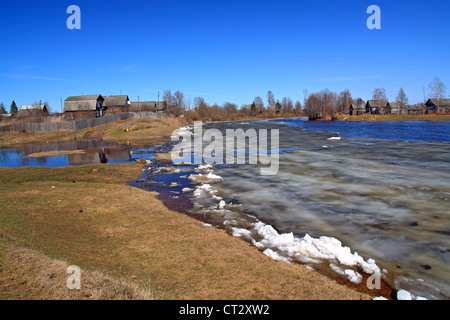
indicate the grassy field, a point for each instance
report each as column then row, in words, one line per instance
column 129, row 245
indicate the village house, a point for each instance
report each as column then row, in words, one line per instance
column 416, row 109
column 84, row 107
column 377, row 107
column 148, row 106
column 117, row 104
column 395, row 108
column 33, row 111
column 437, row 105
column 357, row 108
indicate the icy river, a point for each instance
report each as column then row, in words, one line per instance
column 357, row 198
column 358, row 203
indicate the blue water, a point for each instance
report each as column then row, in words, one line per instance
column 394, row 130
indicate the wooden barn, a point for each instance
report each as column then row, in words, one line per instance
column 117, row 104
column 396, row 108
column 148, row 106
column 84, row 107
column 417, row 109
column 377, row 107
column 33, row 111
column 357, row 108
column 438, row 105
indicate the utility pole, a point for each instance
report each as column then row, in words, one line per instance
column 140, row 111
column 61, row 105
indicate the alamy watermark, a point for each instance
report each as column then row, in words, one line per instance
column 236, row 147
column 74, row 281
column 74, row 21
column 374, row 21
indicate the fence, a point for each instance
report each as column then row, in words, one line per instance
column 74, row 125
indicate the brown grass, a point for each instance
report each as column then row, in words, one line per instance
column 54, row 153
column 94, row 221
column 29, row 275
column 149, row 130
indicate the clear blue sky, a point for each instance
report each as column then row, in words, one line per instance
column 220, row 50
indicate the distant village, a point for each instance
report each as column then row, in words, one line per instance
column 384, row 107
column 96, row 106
column 88, row 107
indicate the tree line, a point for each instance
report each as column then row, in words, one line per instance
column 323, row 104
column 316, row 105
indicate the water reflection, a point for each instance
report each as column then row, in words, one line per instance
column 93, row 152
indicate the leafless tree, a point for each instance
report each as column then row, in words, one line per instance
column 229, row 108
column 344, row 101
column 438, row 90
column 402, row 99
column 259, row 104
column 379, row 94
column 270, row 100
column 178, row 98
column 298, row 108
column 287, row 106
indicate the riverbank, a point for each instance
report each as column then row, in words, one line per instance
column 87, row 216
column 393, row 117
column 141, row 131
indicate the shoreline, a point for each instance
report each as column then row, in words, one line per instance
column 385, row 290
column 344, row 283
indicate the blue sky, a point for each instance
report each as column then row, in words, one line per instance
column 220, row 50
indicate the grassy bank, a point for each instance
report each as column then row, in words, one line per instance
column 125, row 240
column 147, row 131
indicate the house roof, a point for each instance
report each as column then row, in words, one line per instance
column 37, row 107
column 112, row 101
column 359, row 105
column 148, row 106
column 82, row 103
column 395, row 104
column 32, row 111
column 441, row 102
column 417, row 107
column 85, row 98
column 377, row 103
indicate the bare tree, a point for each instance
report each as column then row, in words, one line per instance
column 321, row 104
column 402, row 99
column 298, row 108
column 379, row 94
column 229, row 108
column 344, row 101
column 270, row 100
column 438, row 90
column 178, row 98
column 287, row 105
column 259, row 104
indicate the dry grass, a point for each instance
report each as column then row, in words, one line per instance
column 143, row 130
column 29, row 275
column 94, row 221
column 54, row 153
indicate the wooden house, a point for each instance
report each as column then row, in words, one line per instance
column 377, row 107
column 148, row 106
column 84, row 107
column 117, row 104
column 395, row 108
column 357, row 108
column 437, row 105
column 418, row 109
column 33, row 111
